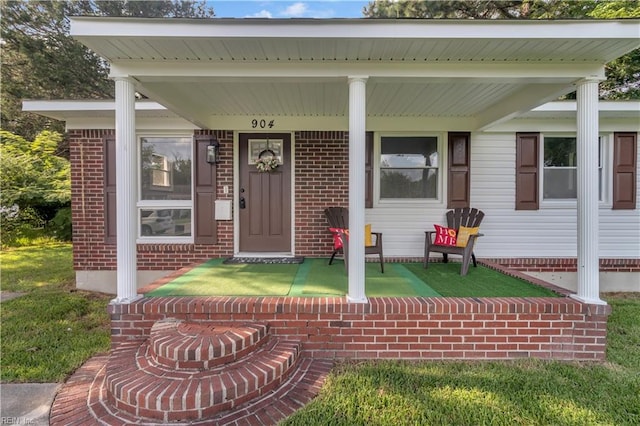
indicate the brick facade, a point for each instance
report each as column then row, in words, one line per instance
column 322, row 180
column 91, row 252
column 407, row 328
column 88, row 202
column 565, row 264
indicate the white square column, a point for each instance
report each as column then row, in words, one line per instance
column 357, row 182
column 588, row 192
column 126, row 187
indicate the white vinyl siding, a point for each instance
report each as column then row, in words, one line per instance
column 507, row 232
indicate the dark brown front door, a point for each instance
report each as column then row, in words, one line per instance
column 265, row 196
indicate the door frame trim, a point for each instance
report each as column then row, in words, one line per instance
column 236, row 192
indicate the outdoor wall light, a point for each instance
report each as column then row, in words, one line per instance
column 213, row 151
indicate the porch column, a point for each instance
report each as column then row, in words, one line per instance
column 357, row 181
column 588, row 198
column 126, row 187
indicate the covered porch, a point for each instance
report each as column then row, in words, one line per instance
column 315, row 277
column 360, row 75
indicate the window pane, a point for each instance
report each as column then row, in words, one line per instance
column 172, row 222
column 559, row 152
column 409, row 167
column 166, row 168
column 408, row 183
column 409, row 152
column 560, row 183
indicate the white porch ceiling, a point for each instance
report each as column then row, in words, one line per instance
column 482, row 71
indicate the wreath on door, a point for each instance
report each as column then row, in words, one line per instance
column 267, row 161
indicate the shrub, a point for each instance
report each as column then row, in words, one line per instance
column 60, row 226
column 19, row 226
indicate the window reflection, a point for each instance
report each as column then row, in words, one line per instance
column 409, row 167
column 171, row 222
column 166, row 168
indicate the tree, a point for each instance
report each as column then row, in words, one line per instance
column 41, row 61
column 623, row 74
column 32, row 174
column 35, row 188
column 478, row 9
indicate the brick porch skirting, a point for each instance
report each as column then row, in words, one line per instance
column 407, row 328
column 564, row 264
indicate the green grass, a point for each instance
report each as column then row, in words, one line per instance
column 445, row 278
column 524, row 392
column 623, row 338
column 34, row 268
column 53, row 329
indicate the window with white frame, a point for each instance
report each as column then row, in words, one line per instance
column 165, row 203
column 559, row 180
column 409, row 167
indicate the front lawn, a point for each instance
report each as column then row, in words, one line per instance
column 53, row 328
column 523, row 392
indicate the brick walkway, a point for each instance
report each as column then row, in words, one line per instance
column 82, row 400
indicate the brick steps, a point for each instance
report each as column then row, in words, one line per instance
column 191, row 372
column 82, row 401
column 180, row 345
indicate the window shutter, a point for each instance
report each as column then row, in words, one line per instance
column 458, row 185
column 205, row 193
column 624, row 170
column 527, row 158
column 368, row 199
column 109, row 167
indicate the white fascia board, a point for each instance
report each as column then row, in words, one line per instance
column 83, row 105
column 149, row 124
column 500, row 72
column 571, row 106
column 564, row 124
column 82, row 27
column 64, row 110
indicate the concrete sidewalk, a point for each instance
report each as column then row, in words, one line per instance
column 27, row 403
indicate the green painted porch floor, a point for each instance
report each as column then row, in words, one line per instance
column 315, row 278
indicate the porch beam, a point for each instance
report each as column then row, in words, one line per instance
column 126, row 187
column 524, row 100
column 357, row 129
column 155, row 71
column 588, row 223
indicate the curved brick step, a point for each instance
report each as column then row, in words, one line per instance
column 181, row 345
column 143, row 389
column 82, row 399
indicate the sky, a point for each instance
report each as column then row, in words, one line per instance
column 288, row 9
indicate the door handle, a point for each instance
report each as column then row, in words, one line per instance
column 243, row 203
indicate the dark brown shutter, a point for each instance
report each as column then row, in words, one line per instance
column 458, row 186
column 624, row 170
column 110, row 213
column 527, row 149
column 205, row 193
column 368, row 198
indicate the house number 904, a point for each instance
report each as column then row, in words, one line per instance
column 263, row 124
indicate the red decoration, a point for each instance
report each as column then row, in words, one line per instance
column 445, row 236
